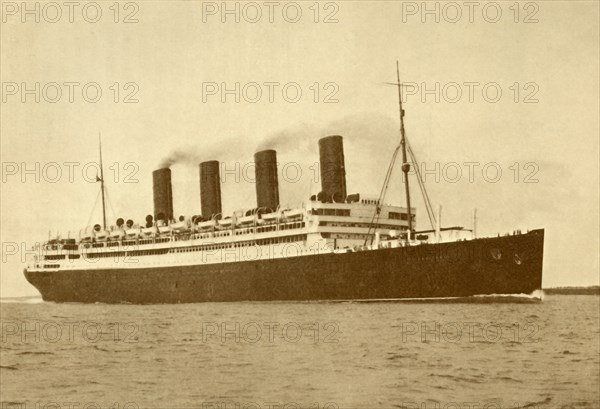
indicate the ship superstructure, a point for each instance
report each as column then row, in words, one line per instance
column 262, row 233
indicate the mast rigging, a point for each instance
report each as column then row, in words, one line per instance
column 405, row 164
column 404, row 146
column 102, row 183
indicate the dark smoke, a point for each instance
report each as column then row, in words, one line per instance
column 193, row 155
column 369, row 141
column 369, row 128
column 374, row 132
column 300, row 137
column 369, row 138
column 188, row 156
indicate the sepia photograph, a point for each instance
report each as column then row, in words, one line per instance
column 304, row 204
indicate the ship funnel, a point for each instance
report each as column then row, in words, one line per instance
column 210, row 189
column 163, row 194
column 333, row 171
column 267, row 186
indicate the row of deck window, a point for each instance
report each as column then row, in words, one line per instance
column 331, row 212
column 209, row 247
column 261, row 242
column 216, row 234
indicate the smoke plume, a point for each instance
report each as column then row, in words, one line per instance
column 188, row 156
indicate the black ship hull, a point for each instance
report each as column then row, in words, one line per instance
column 499, row 265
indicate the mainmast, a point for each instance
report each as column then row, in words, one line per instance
column 102, row 184
column 405, row 168
column 405, row 165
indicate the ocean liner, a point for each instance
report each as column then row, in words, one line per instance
column 336, row 247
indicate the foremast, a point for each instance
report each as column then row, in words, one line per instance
column 405, row 164
column 101, row 180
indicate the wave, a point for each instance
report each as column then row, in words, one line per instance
column 537, row 295
column 32, row 299
column 534, row 297
column 35, row 353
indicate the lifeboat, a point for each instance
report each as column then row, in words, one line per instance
column 117, row 234
column 245, row 219
column 295, row 214
column 148, row 231
column 225, row 222
column 207, row 224
column 180, row 227
column 86, row 235
column 101, row 235
column 269, row 216
column 131, row 229
column 132, row 232
column 164, row 229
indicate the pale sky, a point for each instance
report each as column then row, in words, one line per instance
column 170, row 55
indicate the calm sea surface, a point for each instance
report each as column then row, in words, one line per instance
column 302, row 355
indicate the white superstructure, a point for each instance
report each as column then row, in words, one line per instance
column 315, row 228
